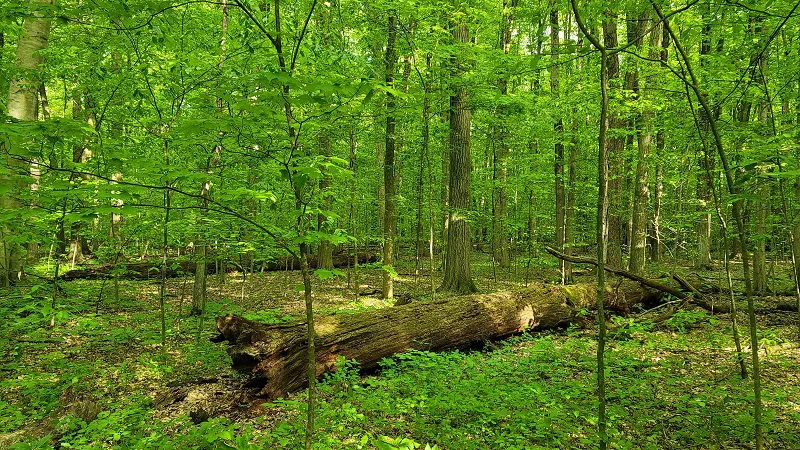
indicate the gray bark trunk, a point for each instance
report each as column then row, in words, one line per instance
column 23, row 106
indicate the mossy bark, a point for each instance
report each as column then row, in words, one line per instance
column 274, row 355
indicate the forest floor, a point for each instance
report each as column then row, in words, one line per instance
column 671, row 386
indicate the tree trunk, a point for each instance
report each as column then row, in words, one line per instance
column 760, row 240
column 389, row 213
column 78, row 246
column 703, row 226
column 763, row 205
column 200, row 275
column 558, row 127
column 457, row 270
column 325, row 252
column 634, row 26
column 22, row 105
column 500, row 246
column 796, row 230
column 274, row 355
column 641, row 201
column 656, row 245
column 615, row 146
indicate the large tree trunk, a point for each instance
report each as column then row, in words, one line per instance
column 23, row 106
column 274, row 355
column 615, row 145
column 457, row 270
column 641, row 201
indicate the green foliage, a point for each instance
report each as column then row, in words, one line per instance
column 684, row 319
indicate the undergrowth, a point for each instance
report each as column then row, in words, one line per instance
column 671, row 386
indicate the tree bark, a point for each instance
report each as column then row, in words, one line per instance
column 457, row 270
column 500, row 173
column 390, row 188
column 703, row 226
column 22, row 105
column 641, row 201
column 325, row 252
column 274, row 355
column 615, row 145
column 656, row 245
column 558, row 128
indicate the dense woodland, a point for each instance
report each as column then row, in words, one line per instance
column 399, row 224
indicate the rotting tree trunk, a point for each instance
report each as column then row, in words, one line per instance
column 274, row 355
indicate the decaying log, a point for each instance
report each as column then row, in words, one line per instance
column 134, row 271
column 274, row 355
column 152, row 270
column 787, row 305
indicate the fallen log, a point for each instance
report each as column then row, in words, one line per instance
column 340, row 261
column 133, row 271
column 152, row 270
column 274, row 355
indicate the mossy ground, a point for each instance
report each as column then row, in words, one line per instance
column 672, row 386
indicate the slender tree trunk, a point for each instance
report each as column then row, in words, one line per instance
column 199, row 292
column 444, row 193
column 164, row 249
column 390, row 214
column 324, row 223
column 602, row 224
column 796, row 230
column 762, row 191
column 634, row 27
column 558, row 127
column 424, row 157
column 22, row 105
column 500, row 245
column 78, row 245
column 656, row 245
column 703, row 226
column 325, row 254
column 457, row 270
column 693, row 83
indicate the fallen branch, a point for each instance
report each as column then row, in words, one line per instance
column 623, row 273
column 694, row 296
